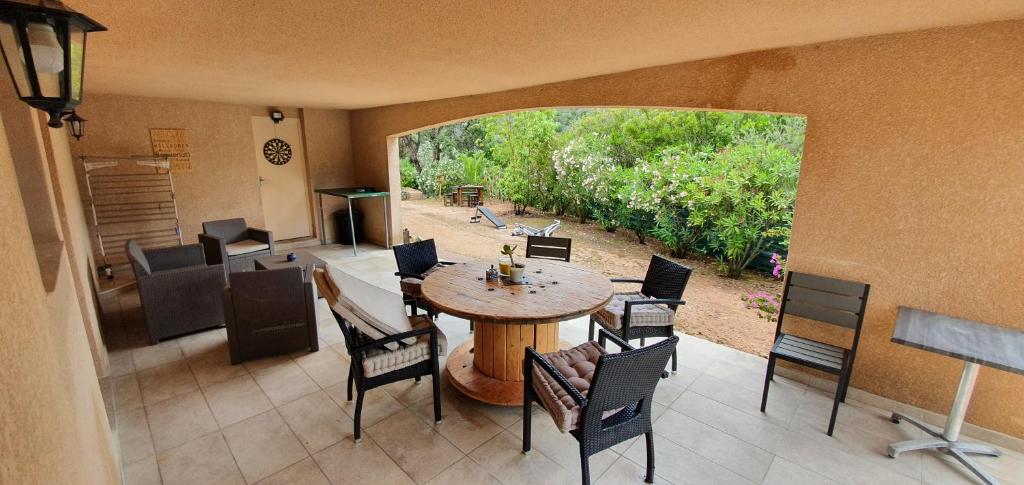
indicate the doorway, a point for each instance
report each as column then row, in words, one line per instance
column 281, row 167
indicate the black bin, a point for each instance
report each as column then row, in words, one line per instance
column 344, row 233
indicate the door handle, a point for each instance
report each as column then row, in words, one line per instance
column 262, row 180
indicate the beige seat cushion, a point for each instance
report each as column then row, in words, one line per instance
column 577, row 365
column 642, row 316
column 245, row 247
column 382, row 361
column 374, row 311
column 411, row 286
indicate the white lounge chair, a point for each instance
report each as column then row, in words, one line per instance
column 524, row 230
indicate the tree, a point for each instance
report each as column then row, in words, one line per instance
column 520, row 146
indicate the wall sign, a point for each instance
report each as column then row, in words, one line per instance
column 172, row 143
column 277, row 151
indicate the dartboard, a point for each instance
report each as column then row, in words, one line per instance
column 277, row 151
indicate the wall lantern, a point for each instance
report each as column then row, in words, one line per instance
column 43, row 43
column 276, row 116
column 76, row 125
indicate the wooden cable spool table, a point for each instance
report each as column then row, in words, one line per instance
column 508, row 318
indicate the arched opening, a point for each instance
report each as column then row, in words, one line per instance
column 714, row 190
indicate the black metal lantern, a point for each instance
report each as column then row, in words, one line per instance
column 76, row 125
column 43, row 43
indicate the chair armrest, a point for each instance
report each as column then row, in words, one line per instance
column 626, row 280
column 623, row 345
column 653, row 301
column 532, row 357
column 409, row 275
column 392, row 338
column 162, row 259
column 261, row 235
column 214, row 248
column 446, row 263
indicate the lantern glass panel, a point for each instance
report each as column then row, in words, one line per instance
column 77, row 60
column 11, row 44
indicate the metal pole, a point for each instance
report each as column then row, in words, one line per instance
column 352, row 224
column 387, row 229
column 961, row 401
column 323, row 229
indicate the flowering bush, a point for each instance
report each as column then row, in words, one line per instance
column 779, row 270
column 766, row 304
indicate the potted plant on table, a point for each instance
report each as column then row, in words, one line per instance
column 515, row 272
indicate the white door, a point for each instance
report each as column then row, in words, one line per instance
column 281, row 166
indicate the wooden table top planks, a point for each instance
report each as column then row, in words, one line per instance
column 556, row 291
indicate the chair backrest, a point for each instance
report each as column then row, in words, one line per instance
column 137, row 257
column 827, row 300
column 548, row 247
column 230, row 230
column 268, row 298
column 416, row 257
column 665, row 279
column 627, row 379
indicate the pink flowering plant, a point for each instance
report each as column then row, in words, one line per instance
column 779, row 268
column 766, row 304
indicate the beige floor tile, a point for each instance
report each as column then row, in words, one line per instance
column 121, row 363
column 783, row 472
column 504, row 416
column 206, row 460
column 143, row 472
column 502, row 457
column 738, row 456
column 657, row 411
column 937, row 468
column 419, row 450
column 133, row 435
column 305, row 472
column 214, row 366
column 325, row 367
column 160, row 383
column 349, row 463
column 285, row 382
column 409, row 391
column 784, row 398
column 462, row 424
column 156, row 355
column 179, row 420
column 562, row 447
column 463, row 472
column 680, row 465
column 202, row 342
column 317, row 421
column 267, row 362
column 623, row 472
column 236, row 399
column 263, row 445
column 127, row 395
column 670, row 389
column 377, row 404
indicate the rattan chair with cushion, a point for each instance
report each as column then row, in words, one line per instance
column 377, row 359
column 827, row 300
column 548, row 247
column 601, row 399
column 179, row 292
column 232, row 243
column 269, row 312
column 651, row 312
column 415, row 261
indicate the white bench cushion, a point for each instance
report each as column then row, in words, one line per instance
column 382, row 361
column 245, row 247
column 641, row 316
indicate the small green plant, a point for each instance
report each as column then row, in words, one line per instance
column 509, row 251
column 766, row 304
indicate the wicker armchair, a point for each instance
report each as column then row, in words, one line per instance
column 179, row 292
column 269, row 312
column 415, row 261
column 651, row 311
column 232, row 243
column 601, row 399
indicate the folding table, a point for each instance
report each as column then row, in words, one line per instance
column 350, row 194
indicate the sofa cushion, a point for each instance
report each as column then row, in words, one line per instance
column 641, row 316
column 577, row 365
column 381, row 361
column 245, row 247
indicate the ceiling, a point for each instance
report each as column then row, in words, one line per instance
column 347, row 54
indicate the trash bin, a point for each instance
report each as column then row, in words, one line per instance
column 344, row 233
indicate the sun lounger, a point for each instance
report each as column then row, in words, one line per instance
column 524, row 230
column 481, row 210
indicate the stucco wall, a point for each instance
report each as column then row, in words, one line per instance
column 329, row 152
column 54, row 427
column 910, row 180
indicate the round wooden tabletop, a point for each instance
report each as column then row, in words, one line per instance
column 553, row 291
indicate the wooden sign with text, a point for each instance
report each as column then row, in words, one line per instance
column 174, row 144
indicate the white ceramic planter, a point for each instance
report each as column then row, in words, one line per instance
column 516, row 274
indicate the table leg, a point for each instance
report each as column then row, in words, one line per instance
column 323, row 229
column 352, row 226
column 387, row 226
column 948, row 439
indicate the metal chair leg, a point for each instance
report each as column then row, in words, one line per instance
column 585, row 465
column 590, row 333
column 350, row 381
column 767, row 380
column 675, row 363
column 835, row 405
column 650, row 457
column 356, row 431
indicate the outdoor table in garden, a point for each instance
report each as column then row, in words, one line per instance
column 508, row 318
column 976, row 344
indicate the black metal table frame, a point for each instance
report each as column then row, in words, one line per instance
column 350, row 194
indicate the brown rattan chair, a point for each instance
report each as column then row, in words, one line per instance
column 234, row 244
column 601, row 399
column 649, row 312
column 548, row 247
column 827, row 300
column 179, row 293
column 269, row 312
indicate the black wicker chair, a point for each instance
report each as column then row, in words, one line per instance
column 827, row 300
column 651, row 312
column 613, row 406
column 548, row 247
column 234, row 244
column 269, row 312
column 415, row 261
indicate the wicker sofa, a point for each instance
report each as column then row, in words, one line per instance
column 269, row 312
column 179, row 292
column 232, row 243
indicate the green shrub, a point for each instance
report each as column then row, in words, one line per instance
column 408, row 174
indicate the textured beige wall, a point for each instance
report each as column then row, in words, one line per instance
column 329, row 154
column 54, row 427
column 910, row 180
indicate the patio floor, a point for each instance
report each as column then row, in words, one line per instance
column 184, row 415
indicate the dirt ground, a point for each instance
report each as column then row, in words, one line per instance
column 713, row 311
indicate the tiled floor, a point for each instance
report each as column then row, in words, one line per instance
column 184, row 415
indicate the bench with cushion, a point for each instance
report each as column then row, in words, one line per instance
column 234, row 244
